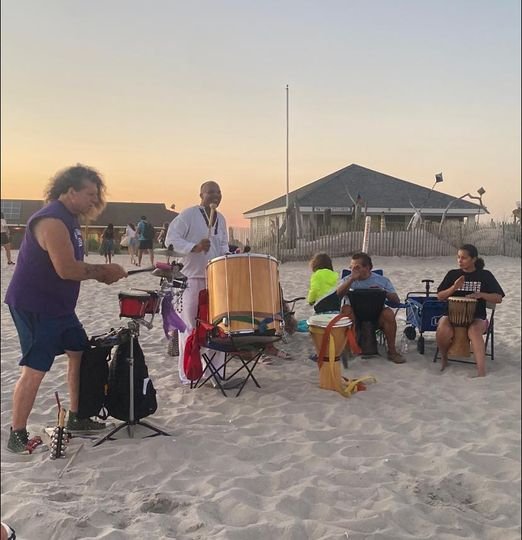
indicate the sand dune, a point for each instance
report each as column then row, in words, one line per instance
column 419, row 455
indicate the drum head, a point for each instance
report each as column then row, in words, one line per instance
column 242, row 255
column 135, row 295
column 322, row 320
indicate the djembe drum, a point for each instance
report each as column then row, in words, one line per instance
column 329, row 375
column 367, row 305
column 461, row 312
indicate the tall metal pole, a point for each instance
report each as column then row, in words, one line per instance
column 287, row 160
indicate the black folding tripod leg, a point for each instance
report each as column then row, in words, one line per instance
column 109, row 436
column 134, row 331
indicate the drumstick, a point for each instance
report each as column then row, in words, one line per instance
column 210, row 219
column 138, row 270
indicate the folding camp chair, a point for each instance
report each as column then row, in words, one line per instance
column 489, row 339
column 244, row 348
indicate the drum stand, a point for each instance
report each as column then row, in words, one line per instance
column 133, row 332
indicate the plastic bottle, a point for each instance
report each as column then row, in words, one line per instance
column 404, row 344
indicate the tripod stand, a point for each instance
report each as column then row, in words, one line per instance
column 131, row 333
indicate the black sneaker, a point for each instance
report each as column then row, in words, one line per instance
column 82, row 425
column 20, row 443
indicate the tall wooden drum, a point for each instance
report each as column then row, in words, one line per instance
column 461, row 312
column 329, row 375
column 244, row 294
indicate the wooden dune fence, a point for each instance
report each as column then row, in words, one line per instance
column 428, row 241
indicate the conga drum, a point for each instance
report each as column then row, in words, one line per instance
column 367, row 305
column 461, row 312
column 329, row 376
column 244, row 294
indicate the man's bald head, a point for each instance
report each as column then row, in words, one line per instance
column 210, row 193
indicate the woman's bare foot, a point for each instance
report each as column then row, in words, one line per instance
column 443, row 363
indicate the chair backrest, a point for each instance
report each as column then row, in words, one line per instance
column 346, row 272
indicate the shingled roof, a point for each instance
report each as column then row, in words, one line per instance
column 121, row 213
column 377, row 190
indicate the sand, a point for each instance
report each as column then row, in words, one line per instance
column 419, row 455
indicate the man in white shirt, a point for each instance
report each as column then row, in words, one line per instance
column 199, row 240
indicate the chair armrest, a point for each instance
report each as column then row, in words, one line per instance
column 293, row 300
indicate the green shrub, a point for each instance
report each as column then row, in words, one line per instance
column 93, row 244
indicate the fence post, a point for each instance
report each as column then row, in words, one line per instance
column 503, row 239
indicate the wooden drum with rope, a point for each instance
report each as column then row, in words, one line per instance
column 461, row 312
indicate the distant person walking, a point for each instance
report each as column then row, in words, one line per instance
column 130, row 233
column 43, row 293
column 6, row 239
column 146, row 233
column 107, row 245
column 162, row 236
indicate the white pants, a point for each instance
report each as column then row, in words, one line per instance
column 189, row 314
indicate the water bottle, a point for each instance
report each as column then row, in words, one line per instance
column 404, row 344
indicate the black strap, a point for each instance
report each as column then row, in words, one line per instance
column 205, row 217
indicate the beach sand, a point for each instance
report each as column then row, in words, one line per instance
column 419, row 455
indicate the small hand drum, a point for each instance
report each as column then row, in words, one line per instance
column 461, row 312
column 134, row 304
column 153, row 304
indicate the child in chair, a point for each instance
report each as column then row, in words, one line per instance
column 323, row 279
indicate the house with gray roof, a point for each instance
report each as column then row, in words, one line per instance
column 334, row 201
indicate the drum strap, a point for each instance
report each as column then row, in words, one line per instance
column 351, row 385
column 351, row 339
column 261, row 323
column 206, row 218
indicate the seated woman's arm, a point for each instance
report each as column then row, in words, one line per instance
column 450, row 291
column 494, row 298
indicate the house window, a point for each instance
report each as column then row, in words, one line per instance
column 12, row 210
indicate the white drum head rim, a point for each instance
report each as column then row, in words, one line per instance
column 242, row 255
column 322, row 320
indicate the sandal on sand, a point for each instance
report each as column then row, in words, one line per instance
column 283, row 355
column 265, row 359
column 396, row 358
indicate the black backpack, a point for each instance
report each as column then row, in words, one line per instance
column 118, row 395
column 149, row 231
column 94, row 374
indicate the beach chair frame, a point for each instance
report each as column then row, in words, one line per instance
column 489, row 343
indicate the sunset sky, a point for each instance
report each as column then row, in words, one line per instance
column 160, row 95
